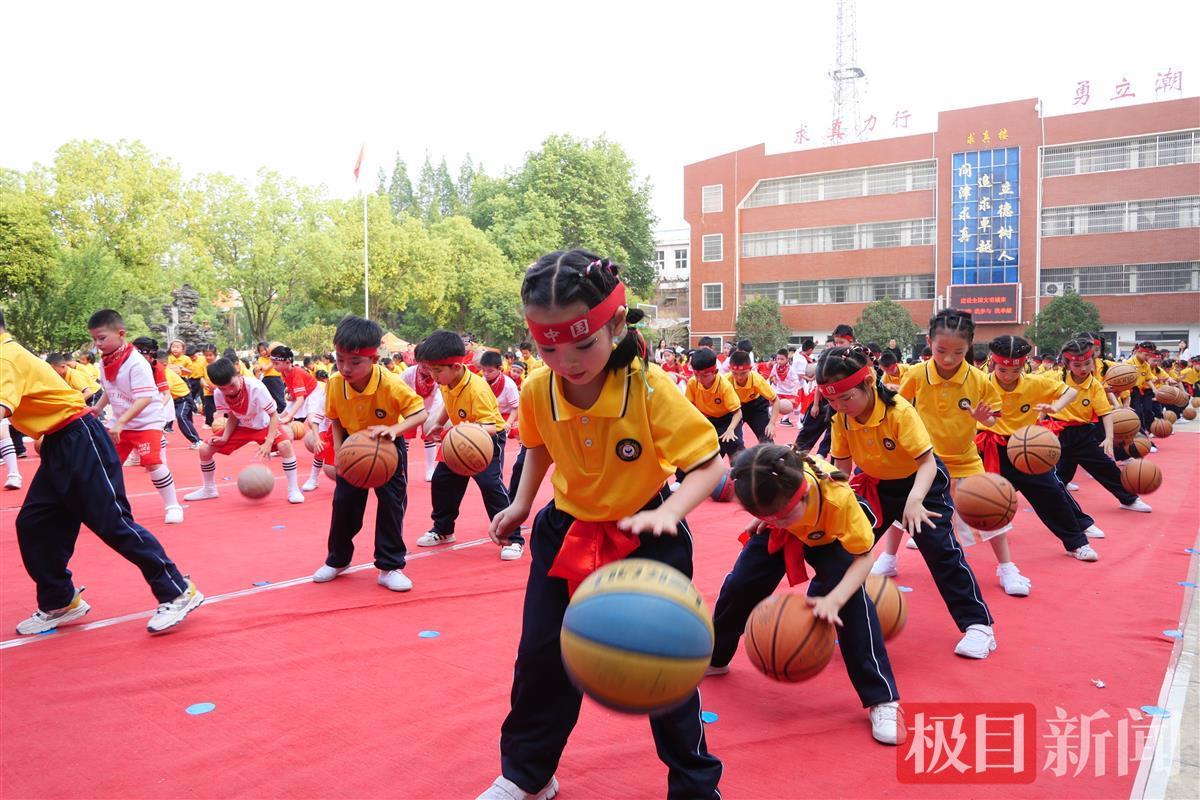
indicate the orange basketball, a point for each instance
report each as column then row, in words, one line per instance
column 330, row 471
column 256, row 481
column 298, row 430
column 467, row 449
column 890, row 604
column 1181, row 396
column 986, row 502
column 1125, row 423
column 786, row 407
column 1138, row 447
column 785, row 641
column 218, row 426
column 1161, row 428
column 1165, row 395
column 366, row 462
column 1033, row 449
column 1171, row 417
column 1189, row 413
column 1196, row 402
column 1141, row 476
column 1121, row 377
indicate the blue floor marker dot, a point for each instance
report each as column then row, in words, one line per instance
column 1190, row 550
column 1173, row 634
column 1156, row 711
column 709, row 717
column 905, row 588
column 1188, row 584
column 196, row 709
column 262, row 583
column 429, row 634
column 278, row 527
column 47, row 633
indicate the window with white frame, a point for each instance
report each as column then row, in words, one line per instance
column 901, row 233
column 713, row 297
column 660, row 260
column 1160, row 150
column 681, row 259
column 1179, row 276
column 1134, row 215
column 713, row 247
column 712, row 199
column 843, row 290
column 888, row 179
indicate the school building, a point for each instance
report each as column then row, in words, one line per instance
column 999, row 211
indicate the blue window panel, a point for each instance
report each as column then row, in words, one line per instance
column 985, row 159
column 1014, row 155
column 1010, row 275
column 957, row 261
column 959, row 159
column 973, row 160
column 969, row 276
column 969, row 259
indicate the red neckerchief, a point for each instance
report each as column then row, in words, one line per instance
column 114, row 360
column 671, row 367
column 243, row 402
column 517, row 380
column 424, row 383
column 497, row 385
column 764, row 368
column 589, row 546
column 721, row 358
column 867, row 488
column 160, row 376
column 782, row 371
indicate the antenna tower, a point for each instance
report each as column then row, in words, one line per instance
column 846, row 74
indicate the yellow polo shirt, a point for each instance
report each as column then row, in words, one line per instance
column 1190, row 375
column 269, row 371
column 945, row 406
column 199, row 366
column 612, row 458
column 887, row 445
column 1092, row 398
column 180, row 364
column 717, row 401
column 1019, row 407
column 176, row 385
column 92, row 371
column 471, row 400
column 385, row 400
column 37, row 399
column 80, row 381
column 756, row 387
column 832, row 514
column 1145, row 371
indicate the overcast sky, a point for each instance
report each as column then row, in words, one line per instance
column 299, row 87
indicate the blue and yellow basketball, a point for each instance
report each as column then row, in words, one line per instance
column 723, row 491
column 637, row 636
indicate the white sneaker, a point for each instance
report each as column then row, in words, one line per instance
column 712, row 669
column 13, row 481
column 1138, row 505
column 296, row 497
column 504, row 789
column 433, row 539
column 395, row 580
column 310, row 485
column 885, row 722
column 884, row 565
column 1072, row 487
column 171, row 614
column 977, row 642
column 327, row 573
column 194, row 446
column 1094, row 533
column 1012, row 581
column 173, row 515
column 1085, row 553
column 512, row 551
column 134, row 460
column 203, row 493
column 1153, row 448
column 911, row 544
column 43, row 621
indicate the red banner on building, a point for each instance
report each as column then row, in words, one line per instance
column 997, row 302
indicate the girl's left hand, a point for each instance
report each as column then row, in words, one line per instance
column 1045, row 408
column 657, row 521
column 1107, row 446
column 729, row 435
column 982, row 412
column 826, row 609
column 916, row 517
column 264, row 452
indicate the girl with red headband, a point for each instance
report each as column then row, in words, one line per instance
column 1026, row 398
column 807, row 512
column 903, row 480
column 615, row 429
column 1084, row 427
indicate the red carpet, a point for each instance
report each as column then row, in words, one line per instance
column 328, row 691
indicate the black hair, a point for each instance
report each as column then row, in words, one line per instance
column 519, row 363
column 843, row 361
column 306, row 361
column 284, row 352
column 739, row 358
column 230, row 355
column 766, row 476
column 56, row 358
column 525, row 346
column 189, row 350
column 161, row 355
column 1146, row 345
column 221, row 371
column 578, row 276
column 385, row 360
column 844, row 332
column 874, row 349
column 105, row 318
column 783, row 352
column 952, row 320
column 703, row 358
column 887, row 359
column 210, row 348
column 439, row 345
column 144, row 343
column 354, row 333
column 261, row 345
column 1075, row 347
column 979, row 354
column 807, row 344
column 322, row 375
column 491, row 358
column 1008, row 346
column 745, row 344
column 705, row 341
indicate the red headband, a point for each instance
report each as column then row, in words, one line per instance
column 582, row 327
column 796, row 499
column 450, row 361
column 369, row 352
column 836, row 388
column 1078, row 358
column 1009, row 362
column 742, row 368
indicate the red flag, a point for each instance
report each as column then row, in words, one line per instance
column 358, row 164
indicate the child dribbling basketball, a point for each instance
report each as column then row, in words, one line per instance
column 718, row 402
column 615, row 429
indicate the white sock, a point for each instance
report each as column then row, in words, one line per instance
column 8, row 453
column 161, row 477
column 430, row 459
column 208, row 471
column 317, row 465
column 289, row 472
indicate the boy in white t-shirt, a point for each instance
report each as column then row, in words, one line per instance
column 251, row 417
column 422, row 382
column 786, row 383
column 138, row 415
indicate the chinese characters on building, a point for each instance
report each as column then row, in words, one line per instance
column 1166, row 83
column 840, row 131
column 986, row 208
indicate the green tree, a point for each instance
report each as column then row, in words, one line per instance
column 400, row 188
column 886, row 319
column 759, row 321
column 445, row 191
column 572, row 193
column 483, row 288
column 425, row 198
column 28, row 248
column 465, row 187
column 311, row 339
column 1060, row 320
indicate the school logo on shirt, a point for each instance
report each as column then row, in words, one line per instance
column 1087, row 401
column 462, row 413
column 1025, row 408
column 888, row 444
column 964, row 404
column 629, row 450
column 380, row 413
column 816, row 536
column 717, row 400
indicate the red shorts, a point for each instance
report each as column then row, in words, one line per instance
column 240, row 438
column 146, row 443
